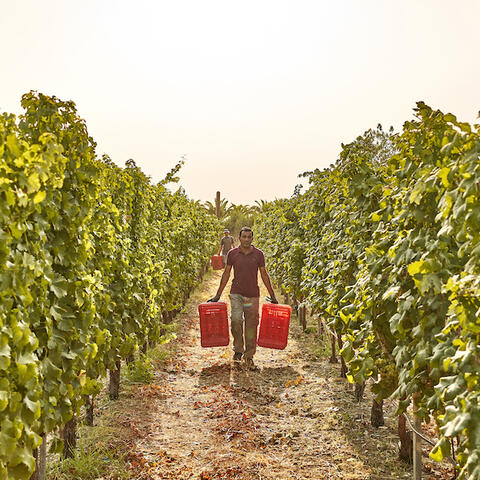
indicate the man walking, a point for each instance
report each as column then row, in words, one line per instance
column 246, row 261
column 226, row 244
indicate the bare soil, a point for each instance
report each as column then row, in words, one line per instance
column 292, row 418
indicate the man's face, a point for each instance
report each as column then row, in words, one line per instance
column 225, row 233
column 246, row 239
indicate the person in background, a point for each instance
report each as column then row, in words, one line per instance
column 246, row 260
column 226, row 244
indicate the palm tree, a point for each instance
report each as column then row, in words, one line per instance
column 233, row 216
column 212, row 209
column 260, row 205
column 239, row 216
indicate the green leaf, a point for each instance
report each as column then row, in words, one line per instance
column 34, row 407
column 33, row 182
column 3, row 400
column 39, row 196
column 7, row 442
column 13, row 146
column 16, row 230
column 4, row 362
column 27, row 358
column 415, row 267
column 440, row 450
column 59, row 287
column 393, row 290
column 23, row 463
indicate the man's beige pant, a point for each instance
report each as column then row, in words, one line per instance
column 244, row 322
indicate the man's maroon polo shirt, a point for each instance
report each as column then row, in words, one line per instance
column 245, row 270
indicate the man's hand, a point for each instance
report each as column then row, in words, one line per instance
column 271, row 300
column 216, row 298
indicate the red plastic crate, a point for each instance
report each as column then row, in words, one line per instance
column 213, row 324
column 217, row 262
column 274, row 325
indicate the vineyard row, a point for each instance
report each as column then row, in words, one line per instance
column 384, row 246
column 94, row 259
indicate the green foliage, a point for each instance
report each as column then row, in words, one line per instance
column 391, row 245
column 90, row 464
column 101, row 453
column 140, row 370
column 159, row 356
column 91, row 255
column 232, row 216
column 282, row 238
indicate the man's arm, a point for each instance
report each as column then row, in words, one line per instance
column 223, row 283
column 266, row 282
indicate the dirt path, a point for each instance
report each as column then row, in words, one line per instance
column 205, row 418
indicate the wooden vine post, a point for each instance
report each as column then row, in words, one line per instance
column 40, row 455
column 417, row 442
column 217, row 205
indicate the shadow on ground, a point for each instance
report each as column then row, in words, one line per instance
column 217, row 374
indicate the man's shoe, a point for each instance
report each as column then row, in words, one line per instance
column 249, row 364
column 237, row 356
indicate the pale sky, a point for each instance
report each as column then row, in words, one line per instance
column 252, row 92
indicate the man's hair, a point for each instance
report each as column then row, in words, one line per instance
column 245, row 229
